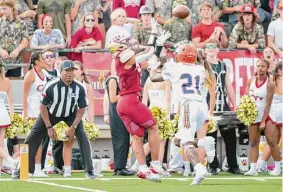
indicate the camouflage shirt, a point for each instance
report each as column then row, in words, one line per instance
column 195, row 9
column 255, row 36
column 162, row 8
column 180, row 30
column 22, row 6
column 12, row 33
column 233, row 17
column 142, row 34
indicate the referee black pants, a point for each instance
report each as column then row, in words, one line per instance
column 57, row 152
column 39, row 131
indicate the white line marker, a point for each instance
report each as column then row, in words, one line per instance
column 66, row 186
column 171, row 178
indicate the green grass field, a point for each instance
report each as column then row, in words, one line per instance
column 108, row 183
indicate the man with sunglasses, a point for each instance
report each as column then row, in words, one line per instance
column 274, row 33
column 224, row 88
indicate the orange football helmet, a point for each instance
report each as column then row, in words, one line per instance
column 187, row 55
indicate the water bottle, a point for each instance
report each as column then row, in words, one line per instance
column 96, row 162
column 244, row 161
column 105, row 161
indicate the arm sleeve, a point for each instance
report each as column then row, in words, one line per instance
column 233, row 39
column 261, row 38
column 60, row 37
column 271, row 29
column 46, row 96
column 34, row 40
column 82, row 101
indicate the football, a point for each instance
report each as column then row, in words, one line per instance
column 181, row 11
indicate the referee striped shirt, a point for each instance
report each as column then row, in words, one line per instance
column 62, row 100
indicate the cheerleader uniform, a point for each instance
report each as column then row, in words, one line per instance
column 5, row 118
column 156, row 98
column 35, row 91
column 277, row 106
column 258, row 93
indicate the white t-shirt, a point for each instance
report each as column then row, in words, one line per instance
column 114, row 31
column 275, row 30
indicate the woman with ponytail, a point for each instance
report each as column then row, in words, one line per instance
column 34, row 83
column 277, row 105
column 5, row 122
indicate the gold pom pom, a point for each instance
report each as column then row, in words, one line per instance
column 212, row 125
column 61, row 129
column 16, row 126
column 247, row 111
column 28, row 125
column 91, row 130
column 165, row 127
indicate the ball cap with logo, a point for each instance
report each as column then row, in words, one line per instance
column 67, row 64
column 146, row 9
column 248, row 9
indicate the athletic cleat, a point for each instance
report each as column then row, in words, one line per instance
column 201, row 173
column 156, row 168
column 149, row 175
column 275, row 172
column 251, row 173
column 135, row 167
column 187, row 173
column 40, row 173
column 90, row 175
column 67, row 173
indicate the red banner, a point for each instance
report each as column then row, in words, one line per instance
column 241, row 64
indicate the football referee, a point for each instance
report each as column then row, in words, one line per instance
column 63, row 99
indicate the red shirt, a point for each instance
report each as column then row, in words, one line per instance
column 204, row 31
column 80, row 36
column 132, row 7
column 129, row 79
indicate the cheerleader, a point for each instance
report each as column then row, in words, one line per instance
column 277, row 106
column 5, row 122
column 157, row 92
column 261, row 89
column 34, row 83
column 269, row 55
column 89, row 115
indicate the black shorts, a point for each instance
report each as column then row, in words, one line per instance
column 17, row 72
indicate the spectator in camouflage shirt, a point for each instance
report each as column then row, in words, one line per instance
column 180, row 30
column 142, row 30
column 247, row 34
column 13, row 37
column 162, row 9
column 233, row 8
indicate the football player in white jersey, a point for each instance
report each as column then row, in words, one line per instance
column 261, row 89
column 188, row 81
column 277, row 106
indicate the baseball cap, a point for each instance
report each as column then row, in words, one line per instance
column 67, row 64
column 248, row 9
column 146, row 9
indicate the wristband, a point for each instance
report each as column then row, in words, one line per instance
column 49, row 127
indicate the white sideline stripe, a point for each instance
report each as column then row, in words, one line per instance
column 66, row 186
column 177, row 179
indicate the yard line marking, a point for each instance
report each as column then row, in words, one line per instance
column 176, row 178
column 66, row 186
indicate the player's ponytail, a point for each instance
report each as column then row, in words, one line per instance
column 85, row 77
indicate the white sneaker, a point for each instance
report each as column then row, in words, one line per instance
column 251, row 173
column 208, row 143
column 275, row 172
column 262, row 170
column 157, row 169
column 67, row 173
column 201, row 172
column 135, row 167
column 149, row 175
column 40, row 173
